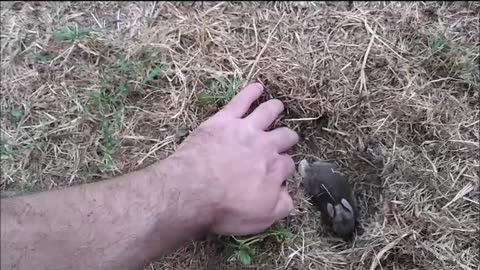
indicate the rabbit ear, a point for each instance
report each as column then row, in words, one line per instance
column 347, row 205
column 302, row 167
column 330, row 210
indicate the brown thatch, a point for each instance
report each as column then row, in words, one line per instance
column 388, row 90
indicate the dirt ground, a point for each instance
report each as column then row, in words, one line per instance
column 390, row 91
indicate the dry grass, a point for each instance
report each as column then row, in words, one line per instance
column 390, row 91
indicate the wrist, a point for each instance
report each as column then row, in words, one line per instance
column 187, row 190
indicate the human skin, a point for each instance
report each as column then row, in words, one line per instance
column 226, row 178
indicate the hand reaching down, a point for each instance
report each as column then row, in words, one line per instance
column 244, row 164
column 226, row 178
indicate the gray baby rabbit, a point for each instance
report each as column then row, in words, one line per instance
column 331, row 193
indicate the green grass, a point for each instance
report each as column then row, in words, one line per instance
column 126, row 67
column 16, row 113
column 144, row 64
column 245, row 249
column 71, row 34
column 149, row 64
column 41, row 57
column 107, row 104
column 220, row 90
column 107, row 101
column 449, row 59
column 109, row 142
column 5, row 150
column 154, row 72
column 438, row 43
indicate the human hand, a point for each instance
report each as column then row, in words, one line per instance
column 226, row 178
column 243, row 165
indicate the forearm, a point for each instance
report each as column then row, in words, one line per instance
column 115, row 224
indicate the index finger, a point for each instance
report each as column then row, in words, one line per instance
column 240, row 104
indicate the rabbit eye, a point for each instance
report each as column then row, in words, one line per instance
column 346, row 205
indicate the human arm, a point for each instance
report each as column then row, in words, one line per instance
column 104, row 225
column 226, row 178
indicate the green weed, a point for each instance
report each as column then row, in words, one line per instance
column 110, row 127
column 107, row 100
column 126, row 67
column 154, row 72
column 438, row 43
column 246, row 248
column 71, row 35
column 5, row 150
column 16, row 113
column 41, row 57
column 148, row 64
column 220, row 91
